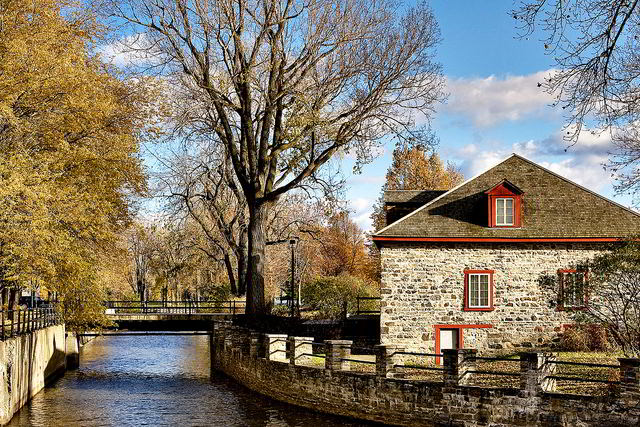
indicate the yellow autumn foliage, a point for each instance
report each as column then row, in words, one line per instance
column 70, row 129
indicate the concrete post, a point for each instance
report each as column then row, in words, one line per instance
column 276, row 347
column 299, row 349
column 386, row 360
column 72, row 351
column 534, row 370
column 255, row 347
column 336, row 350
column 630, row 378
column 457, row 364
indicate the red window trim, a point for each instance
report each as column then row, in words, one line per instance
column 560, row 306
column 460, row 335
column 466, row 290
column 516, row 210
column 504, row 190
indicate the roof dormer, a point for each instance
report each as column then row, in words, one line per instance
column 505, row 201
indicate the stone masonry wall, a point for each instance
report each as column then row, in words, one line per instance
column 27, row 363
column 423, row 286
column 247, row 357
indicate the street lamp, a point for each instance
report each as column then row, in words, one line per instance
column 292, row 245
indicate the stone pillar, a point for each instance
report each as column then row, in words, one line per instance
column 386, row 360
column 457, row 364
column 255, row 344
column 335, row 351
column 72, row 351
column 630, row 378
column 276, row 347
column 299, row 349
column 534, row 370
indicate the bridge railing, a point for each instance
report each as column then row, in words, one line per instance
column 175, row 307
column 23, row 321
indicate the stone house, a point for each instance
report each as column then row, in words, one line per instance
column 496, row 262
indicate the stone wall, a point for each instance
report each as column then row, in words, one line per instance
column 423, row 286
column 27, row 363
column 257, row 361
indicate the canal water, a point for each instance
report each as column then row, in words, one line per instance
column 157, row 381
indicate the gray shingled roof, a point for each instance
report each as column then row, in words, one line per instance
column 552, row 207
column 411, row 196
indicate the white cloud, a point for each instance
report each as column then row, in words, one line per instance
column 360, row 204
column 364, row 220
column 360, row 209
column 581, row 163
column 133, row 50
column 492, row 100
column 376, row 180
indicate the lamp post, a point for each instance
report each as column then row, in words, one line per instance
column 292, row 245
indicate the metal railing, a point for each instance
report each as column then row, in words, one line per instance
column 175, row 307
column 363, row 302
column 575, row 378
column 23, row 321
column 421, row 367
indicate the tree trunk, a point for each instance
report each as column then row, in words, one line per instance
column 241, row 257
column 255, row 277
column 232, row 279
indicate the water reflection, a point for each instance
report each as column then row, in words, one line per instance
column 156, row 381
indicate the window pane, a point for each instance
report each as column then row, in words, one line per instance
column 478, row 290
column 500, row 211
column 473, row 290
column 484, row 290
column 573, row 289
column 508, row 212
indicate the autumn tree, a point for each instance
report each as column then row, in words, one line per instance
column 284, row 85
column 415, row 168
column 343, row 249
column 69, row 136
column 594, row 44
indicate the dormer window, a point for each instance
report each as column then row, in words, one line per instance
column 504, row 205
column 504, row 211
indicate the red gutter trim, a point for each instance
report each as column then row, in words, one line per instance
column 494, row 240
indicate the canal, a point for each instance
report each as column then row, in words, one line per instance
column 157, row 381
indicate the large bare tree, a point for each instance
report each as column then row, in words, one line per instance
column 284, row 85
column 594, row 44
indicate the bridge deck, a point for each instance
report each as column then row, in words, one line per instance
column 154, row 317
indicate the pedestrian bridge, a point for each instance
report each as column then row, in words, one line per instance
column 171, row 315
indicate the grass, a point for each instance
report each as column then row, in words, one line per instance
column 588, row 388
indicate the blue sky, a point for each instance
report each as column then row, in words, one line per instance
column 495, row 107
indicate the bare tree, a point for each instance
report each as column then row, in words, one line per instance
column 595, row 46
column 141, row 250
column 614, row 295
column 284, row 85
column 200, row 186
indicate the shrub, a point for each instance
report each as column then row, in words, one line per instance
column 328, row 294
column 586, row 337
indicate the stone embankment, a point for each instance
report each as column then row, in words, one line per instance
column 27, row 363
column 282, row 367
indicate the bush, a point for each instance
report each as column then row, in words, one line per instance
column 328, row 294
column 281, row 310
column 586, row 337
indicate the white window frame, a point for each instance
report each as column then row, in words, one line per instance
column 469, row 290
column 576, row 303
column 504, row 211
